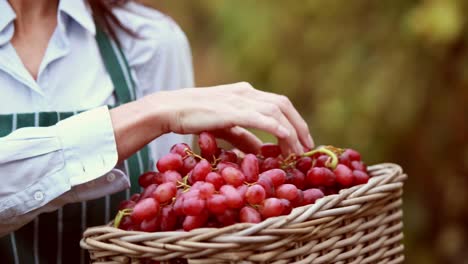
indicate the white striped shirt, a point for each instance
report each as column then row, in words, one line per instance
column 42, row 169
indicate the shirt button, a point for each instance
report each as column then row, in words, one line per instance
column 110, row 177
column 38, row 196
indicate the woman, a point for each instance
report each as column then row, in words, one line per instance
column 89, row 97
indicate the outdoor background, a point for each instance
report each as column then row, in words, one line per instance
column 388, row 78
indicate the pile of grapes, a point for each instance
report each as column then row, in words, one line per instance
column 219, row 188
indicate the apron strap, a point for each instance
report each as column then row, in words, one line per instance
column 41, row 240
column 124, row 86
column 116, row 66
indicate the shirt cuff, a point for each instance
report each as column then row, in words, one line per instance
column 88, row 145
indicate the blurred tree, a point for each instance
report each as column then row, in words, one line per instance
column 389, row 78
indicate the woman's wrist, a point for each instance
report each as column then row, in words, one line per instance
column 137, row 123
column 156, row 112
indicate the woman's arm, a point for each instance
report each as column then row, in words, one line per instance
column 224, row 109
column 41, row 164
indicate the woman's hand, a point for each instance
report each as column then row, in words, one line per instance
column 225, row 110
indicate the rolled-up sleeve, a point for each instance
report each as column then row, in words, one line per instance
column 43, row 164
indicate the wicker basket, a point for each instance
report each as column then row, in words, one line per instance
column 362, row 224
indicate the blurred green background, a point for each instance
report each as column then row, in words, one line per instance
column 388, row 78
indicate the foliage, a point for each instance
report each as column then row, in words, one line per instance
column 388, row 78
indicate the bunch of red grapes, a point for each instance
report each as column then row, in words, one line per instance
column 219, row 188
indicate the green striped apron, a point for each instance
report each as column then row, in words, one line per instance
column 54, row 237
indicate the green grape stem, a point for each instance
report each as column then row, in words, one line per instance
column 120, row 215
column 325, row 150
column 193, row 154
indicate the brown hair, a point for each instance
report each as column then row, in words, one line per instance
column 105, row 19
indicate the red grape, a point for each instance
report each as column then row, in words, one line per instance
column 322, row 161
column 269, row 164
column 179, row 205
column 277, row 176
column 201, row 170
column 208, row 146
column 193, row 205
column 270, row 150
column 225, row 164
column 216, row 179
column 255, row 194
column 194, row 221
column 228, row 217
column 126, row 204
column 304, row 164
column 344, row 175
column 296, row 177
column 196, row 186
column 150, row 225
column 242, row 190
column 344, row 159
column 168, row 218
column 287, row 206
column 227, row 155
column 193, row 192
column 353, row 154
column 360, row 177
column 299, row 199
column 218, row 151
column 189, row 163
column 135, row 197
column 169, row 162
column 233, row 176
column 171, row 176
column 249, row 167
column 148, row 191
column 180, row 148
column 126, row 223
column 267, row 185
column 358, row 165
column 145, row 209
column 319, row 176
column 216, row 203
column 249, row 215
column 159, row 177
column 287, row 191
column 311, row 195
column 271, row 207
column 146, row 178
column 165, row 192
column 233, row 198
column 206, row 190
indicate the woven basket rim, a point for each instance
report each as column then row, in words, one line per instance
column 385, row 178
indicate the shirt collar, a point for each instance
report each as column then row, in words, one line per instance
column 6, row 18
column 80, row 12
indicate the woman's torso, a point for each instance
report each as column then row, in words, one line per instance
column 72, row 77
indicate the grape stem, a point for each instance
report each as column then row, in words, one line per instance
column 120, row 215
column 325, row 150
column 184, row 184
column 193, row 154
column 289, row 162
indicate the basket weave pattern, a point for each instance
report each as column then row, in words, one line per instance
column 362, row 224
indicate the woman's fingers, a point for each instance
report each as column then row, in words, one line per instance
column 255, row 119
column 292, row 141
column 291, row 114
column 236, row 105
column 294, row 117
column 240, row 138
column 289, row 143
